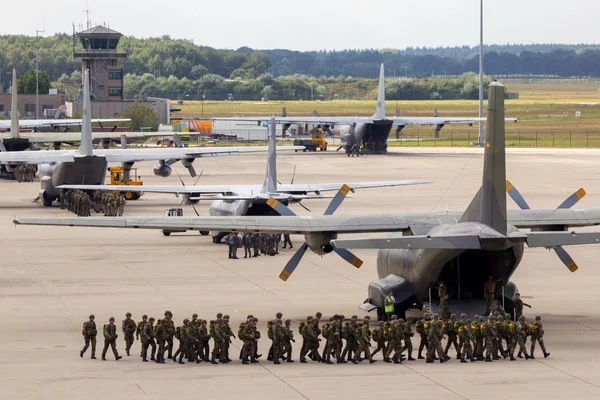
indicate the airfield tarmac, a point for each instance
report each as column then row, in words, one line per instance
column 52, row 278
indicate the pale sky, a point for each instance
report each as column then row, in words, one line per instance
column 318, row 24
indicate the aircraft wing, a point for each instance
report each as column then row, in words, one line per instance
column 196, row 190
column 439, row 120
column 47, row 137
column 324, row 187
column 322, row 120
column 39, row 123
column 36, row 157
column 135, row 155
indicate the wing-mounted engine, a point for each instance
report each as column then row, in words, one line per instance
column 162, row 170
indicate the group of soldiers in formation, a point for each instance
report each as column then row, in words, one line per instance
column 103, row 201
column 369, row 147
column 256, row 244
column 475, row 339
column 25, row 172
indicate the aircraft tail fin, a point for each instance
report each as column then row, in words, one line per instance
column 380, row 110
column 85, row 148
column 489, row 205
column 270, row 185
column 14, row 111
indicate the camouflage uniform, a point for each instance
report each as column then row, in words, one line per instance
column 184, row 342
column 488, row 334
column 349, row 334
column 147, row 338
column 288, row 339
column 110, row 339
column 364, row 342
column 378, row 337
column 287, row 240
column 422, row 326
column 227, row 335
column 162, row 335
column 256, row 244
column 395, row 340
column 466, row 337
column 129, row 327
column 536, row 331
column 334, row 339
column 522, row 332
column 89, row 333
column 250, row 342
column 170, row 333
column 140, row 326
column 218, row 338
column 443, row 296
column 278, row 338
column 311, row 340
column 408, row 334
column 204, row 338
column 452, row 334
column 434, row 337
column 247, row 242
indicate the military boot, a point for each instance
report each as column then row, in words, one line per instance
column 546, row 354
column 429, row 361
column 181, row 359
column 531, row 356
column 253, row 360
column 144, row 359
column 488, row 359
column 212, row 360
column 512, row 358
column 464, row 361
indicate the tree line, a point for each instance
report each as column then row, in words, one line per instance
column 179, row 68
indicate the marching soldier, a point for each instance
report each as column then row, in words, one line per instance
column 184, row 342
column 364, row 342
column 247, row 242
column 408, row 334
column 129, row 327
column 278, row 338
column 288, row 339
column 348, row 333
column 536, row 332
column 287, row 241
column 452, row 334
column 228, row 334
column 312, row 339
column 250, row 341
column 434, row 337
column 89, row 333
column 466, row 337
column 489, row 292
column 147, row 338
column 140, row 326
column 522, row 332
column 110, row 339
column 422, row 326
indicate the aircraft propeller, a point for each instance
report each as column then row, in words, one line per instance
column 568, row 203
column 295, row 260
column 195, row 182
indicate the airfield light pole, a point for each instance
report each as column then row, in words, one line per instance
column 480, row 138
column 37, row 73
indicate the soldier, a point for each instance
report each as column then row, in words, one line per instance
column 395, row 341
column 434, row 337
column 489, row 293
column 466, row 337
column 488, row 333
column 422, row 326
column 276, row 240
column 498, row 326
column 325, row 335
column 256, row 244
column 364, row 342
column 312, row 339
column 110, row 339
column 192, row 332
column 85, row 205
column 218, row 338
column 302, row 327
column 227, row 334
column 241, row 328
column 408, row 335
column 247, row 242
column 499, row 309
column 475, row 329
column 121, row 205
column 278, row 338
column 288, row 339
column 251, row 341
column 443, row 296
column 452, row 334
column 287, row 240
column 89, row 333
column 519, row 306
column 162, row 336
column 536, row 332
column 270, row 325
column 522, row 332
column 378, row 337
column 147, row 337
column 140, row 326
column 129, row 327
column 348, row 333
column 334, row 339
column 184, row 342
column 204, row 339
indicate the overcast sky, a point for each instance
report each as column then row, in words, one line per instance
column 318, row 24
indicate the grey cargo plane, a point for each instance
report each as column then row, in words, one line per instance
column 484, row 240
column 375, row 129
column 239, row 200
column 88, row 166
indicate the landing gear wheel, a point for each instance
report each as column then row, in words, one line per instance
column 166, row 233
column 47, row 201
column 136, row 196
column 204, row 233
column 129, row 195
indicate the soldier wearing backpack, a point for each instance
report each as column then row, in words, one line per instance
column 110, row 339
column 89, row 333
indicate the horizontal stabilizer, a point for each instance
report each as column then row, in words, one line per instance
column 412, row 242
column 554, row 239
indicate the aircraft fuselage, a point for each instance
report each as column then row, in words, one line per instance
column 372, row 136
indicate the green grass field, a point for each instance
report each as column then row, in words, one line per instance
column 540, row 110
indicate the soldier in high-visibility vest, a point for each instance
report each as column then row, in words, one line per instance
column 388, row 303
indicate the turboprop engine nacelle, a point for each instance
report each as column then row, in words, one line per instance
column 162, row 170
column 319, row 242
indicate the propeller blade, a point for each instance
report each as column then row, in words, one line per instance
column 170, row 162
column 573, row 199
column 280, row 208
column 516, row 196
column 337, row 200
column 177, row 140
column 566, row 258
column 348, row 256
column 198, row 178
column 293, row 175
column 303, row 206
column 191, row 170
column 293, row 263
column 279, row 182
column 180, row 179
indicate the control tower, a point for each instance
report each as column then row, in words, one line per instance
column 99, row 54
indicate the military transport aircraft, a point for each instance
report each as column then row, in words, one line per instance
column 367, row 130
column 88, row 166
column 238, row 200
column 484, row 240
